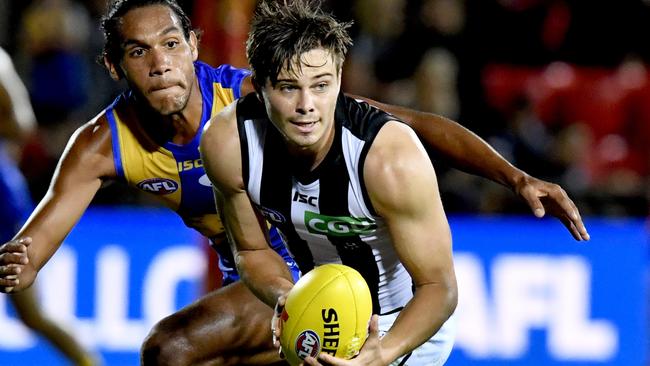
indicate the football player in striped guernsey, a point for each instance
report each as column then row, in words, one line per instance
column 344, row 182
column 149, row 139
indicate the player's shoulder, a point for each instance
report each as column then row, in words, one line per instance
column 396, row 152
column 89, row 150
column 361, row 118
column 219, row 133
column 224, row 73
column 95, row 130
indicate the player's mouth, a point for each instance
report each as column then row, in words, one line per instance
column 163, row 87
column 304, row 126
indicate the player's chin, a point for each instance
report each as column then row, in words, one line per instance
column 169, row 106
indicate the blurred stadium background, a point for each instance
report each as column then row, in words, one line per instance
column 559, row 87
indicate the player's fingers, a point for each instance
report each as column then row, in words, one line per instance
column 326, row 359
column 573, row 214
column 7, row 283
column 11, row 258
column 10, row 270
column 568, row 223
column 311, row 361
column 25, row 240
column 531, row 195
column 373, row 327
column 282, row 300
column 577, row 228
column 561, row 198
column 276, row 321
column 14, row 247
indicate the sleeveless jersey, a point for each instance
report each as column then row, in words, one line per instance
column 325, row 217
column 174, row 173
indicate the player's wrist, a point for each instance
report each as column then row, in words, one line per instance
column 515, row 179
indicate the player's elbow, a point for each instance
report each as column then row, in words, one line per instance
column 451, row 298
column 446, row 291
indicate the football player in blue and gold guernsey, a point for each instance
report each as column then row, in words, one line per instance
column 149, row 138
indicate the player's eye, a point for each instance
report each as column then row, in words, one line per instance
column 136, row 52
column 287, row 88
column 321, row 86
column 171, row 44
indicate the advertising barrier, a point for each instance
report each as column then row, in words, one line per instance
column 528, row 293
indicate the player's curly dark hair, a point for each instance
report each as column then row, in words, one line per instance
column 282, row 30
column 110, row 24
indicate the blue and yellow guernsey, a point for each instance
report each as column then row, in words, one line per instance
column 174, row 173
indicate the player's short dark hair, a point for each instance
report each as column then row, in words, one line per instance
column 282, row 30
column 111, row 21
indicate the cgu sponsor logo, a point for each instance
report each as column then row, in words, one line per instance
column 338, row 225
column 307, row 344
column 159, row 186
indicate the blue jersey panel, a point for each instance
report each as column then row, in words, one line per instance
column 16, row 202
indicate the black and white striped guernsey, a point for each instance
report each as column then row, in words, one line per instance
column 325, row 217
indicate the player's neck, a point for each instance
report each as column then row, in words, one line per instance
column 307, row 159
column 179, row 128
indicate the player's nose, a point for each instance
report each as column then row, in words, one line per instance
column 158, row 62
column 305, row 102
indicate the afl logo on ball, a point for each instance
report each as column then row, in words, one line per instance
column 159, row 186
column 307, row 344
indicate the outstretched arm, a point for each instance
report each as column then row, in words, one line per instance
column 85, row 162
column 470, row 153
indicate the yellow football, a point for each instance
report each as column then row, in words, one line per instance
column 327, row 311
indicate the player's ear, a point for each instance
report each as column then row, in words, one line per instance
column 112, row 69
column 194, row 45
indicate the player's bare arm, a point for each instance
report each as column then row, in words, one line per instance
column 402, row 186
column 260, row 267
column 469, row 152
column 86, row 161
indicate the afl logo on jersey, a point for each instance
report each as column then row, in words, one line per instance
column 160, row 186
column 307, row 344
column 272, row 215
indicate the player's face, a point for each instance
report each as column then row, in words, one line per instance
column 302, row 106
column 158, row 60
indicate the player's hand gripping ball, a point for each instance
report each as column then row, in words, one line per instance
column 327, row 311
